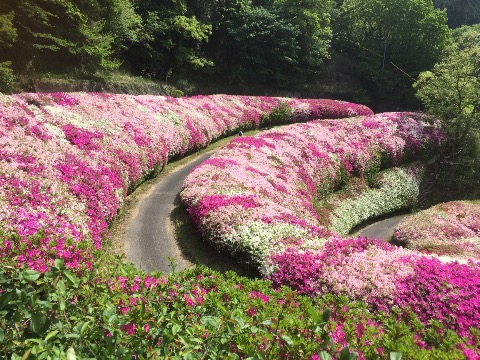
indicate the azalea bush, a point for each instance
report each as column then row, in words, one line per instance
column 386, row 277
column 256, row 195
column 450, row 229
column 69, row 160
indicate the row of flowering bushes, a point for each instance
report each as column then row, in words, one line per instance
column 256, row 196
column 69, row 160
column 449, row 229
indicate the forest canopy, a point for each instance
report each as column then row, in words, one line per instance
column 270, row 43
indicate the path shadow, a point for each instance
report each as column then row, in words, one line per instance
column 199, row 252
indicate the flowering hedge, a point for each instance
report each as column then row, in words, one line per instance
column 69, row 160
column 387, row 277
column 256, row 195
column 451, row 229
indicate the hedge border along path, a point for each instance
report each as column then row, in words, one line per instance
column 255, row 196
column 69, row 160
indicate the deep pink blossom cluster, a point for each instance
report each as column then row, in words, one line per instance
column 385, row 276
column 69, row 160
column 256, row 195
column 450, row 229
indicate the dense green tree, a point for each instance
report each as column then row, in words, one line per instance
column 270, row 42
column 451, row 89
column 391, row 41
column 460, row 12
column 8, row 34
column 63, row 35
column 172, row 39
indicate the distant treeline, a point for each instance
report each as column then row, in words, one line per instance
column 270, row 43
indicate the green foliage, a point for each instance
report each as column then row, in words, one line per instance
column 460, row 12
column 8, row 33
column 171, row 40
column 275, row 43
column 392, row 41
column 452, row 89
column 7, row 78
column 277, row 116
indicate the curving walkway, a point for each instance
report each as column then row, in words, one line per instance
column 147, row 233
column 382, row 229
column 149, row 240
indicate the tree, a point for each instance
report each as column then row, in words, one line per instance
column 8, row 35
column 452, row 89
column 171, row 42
column 460, row 12
column 85, row 36
column 270, row 42
column 392, row 41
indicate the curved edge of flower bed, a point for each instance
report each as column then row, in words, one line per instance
column 450, row 229
column 256, row 195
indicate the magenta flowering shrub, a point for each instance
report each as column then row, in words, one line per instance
column 449, row 229
column 386, row 277
column 69, row 160
column 256, row 194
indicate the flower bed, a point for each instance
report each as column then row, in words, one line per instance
column 256, row 195
column 69, row 160
column 450, row 229
column 386, row 277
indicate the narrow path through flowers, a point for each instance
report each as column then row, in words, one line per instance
column 148, row 233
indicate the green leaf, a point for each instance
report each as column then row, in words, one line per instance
column 325, row 356
column 4, row 299
column 2, row 335
column 72, row 279
column 396, row 356
column 51, row 334
column 326, row 315
column 175, row 329
column 30, row 275
column 59, row 264
column 38, row 323
column 71, row 354
column 288, row 340
column 345, row 353
column 72, row 336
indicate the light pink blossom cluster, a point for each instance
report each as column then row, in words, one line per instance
column 69, row 160
column 256, row 194
column 449, row 229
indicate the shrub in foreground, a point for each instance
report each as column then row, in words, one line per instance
column 118, row 312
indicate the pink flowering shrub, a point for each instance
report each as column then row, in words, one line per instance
column 451, row 229
column 256, row 195
column 386, row 277
column 69, row 160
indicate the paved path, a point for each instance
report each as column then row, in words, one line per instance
column 381, row 229
column 150, row 241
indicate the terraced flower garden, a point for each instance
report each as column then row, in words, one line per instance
column 284, row 200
